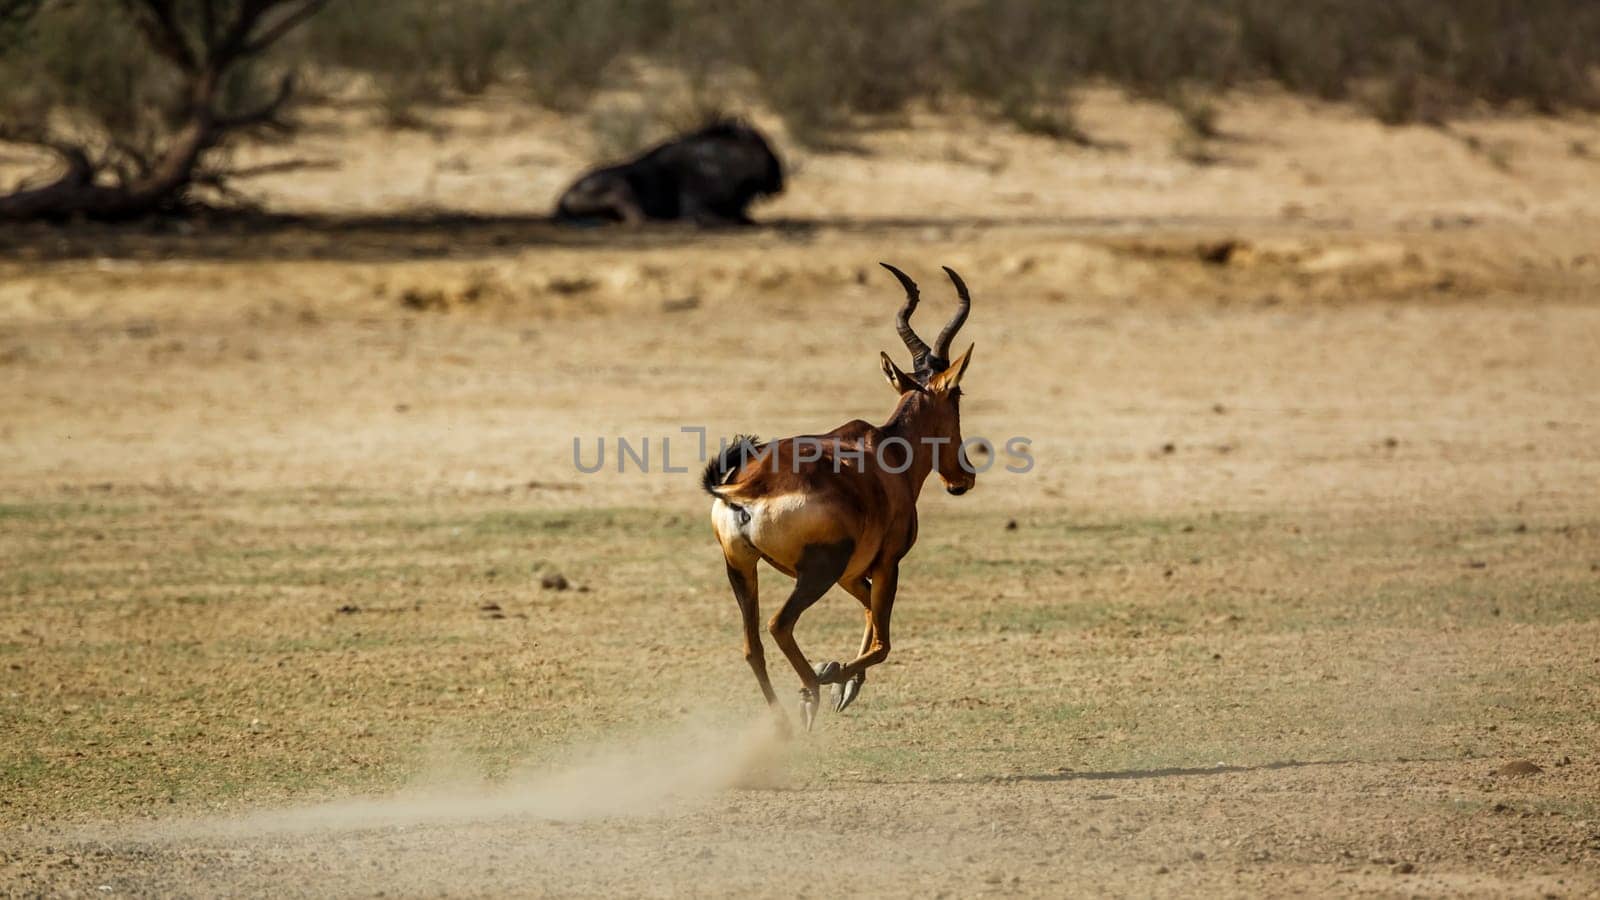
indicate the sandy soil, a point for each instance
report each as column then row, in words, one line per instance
column 1310, row 553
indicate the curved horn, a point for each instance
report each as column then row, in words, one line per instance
column 902, row 320
column 941, row 344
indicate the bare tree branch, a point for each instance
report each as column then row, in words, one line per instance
column 140, row 161
column 283, row 26
column 298, row 164
column 218, row 181
column 156, row 21
column 232, row 42
column 208, row 24
column 263, row 115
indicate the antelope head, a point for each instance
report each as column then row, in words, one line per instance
column 930, row 396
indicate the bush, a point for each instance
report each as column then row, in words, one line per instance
column 824, row 64
column 993, row 54
column 417, row 51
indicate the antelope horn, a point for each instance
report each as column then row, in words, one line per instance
column 941, row 344
column 902, row 320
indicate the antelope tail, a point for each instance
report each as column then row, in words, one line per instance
column 728, row 462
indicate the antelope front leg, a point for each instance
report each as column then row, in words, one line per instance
column 875, row 645
column 845, row 692
column 819, row 567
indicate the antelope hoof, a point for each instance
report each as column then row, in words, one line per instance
column 828, row 672
column 808, row 706
column 846, row 692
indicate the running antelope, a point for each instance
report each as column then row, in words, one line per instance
column 841, row 507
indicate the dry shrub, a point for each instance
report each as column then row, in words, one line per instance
column 395, row 46
column 994, row 55
column 564, row 50
column 832, row 65
column 419, row 51
column 819, row 64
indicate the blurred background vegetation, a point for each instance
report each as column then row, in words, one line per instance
column 824, row 64
column 84, row 74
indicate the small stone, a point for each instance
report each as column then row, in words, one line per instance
column 1011, row 525
column 1403, row 868
column 1218, row 253
column 555, row 581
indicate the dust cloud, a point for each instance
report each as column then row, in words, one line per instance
column 647, row 776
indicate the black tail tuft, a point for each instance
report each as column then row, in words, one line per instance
column 729, row 461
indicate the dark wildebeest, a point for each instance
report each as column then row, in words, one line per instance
column 708, row 177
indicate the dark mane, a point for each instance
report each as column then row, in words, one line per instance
column 726, row 126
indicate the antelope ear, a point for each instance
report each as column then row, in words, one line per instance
column 900, row 381
column 949, row 378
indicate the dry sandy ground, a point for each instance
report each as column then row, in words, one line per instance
column 1310, row 552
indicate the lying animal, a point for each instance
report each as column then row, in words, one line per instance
column 709, row 177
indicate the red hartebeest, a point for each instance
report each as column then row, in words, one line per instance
column 841, row 507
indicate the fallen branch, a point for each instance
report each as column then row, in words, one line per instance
column 282, row 166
